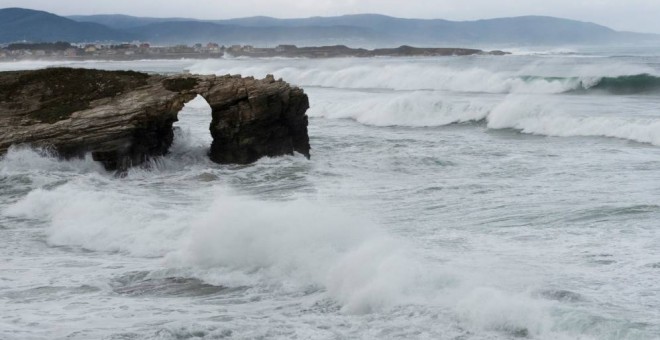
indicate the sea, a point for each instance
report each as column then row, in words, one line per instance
column 474, row 197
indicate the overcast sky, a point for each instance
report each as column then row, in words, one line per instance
column 630, row 15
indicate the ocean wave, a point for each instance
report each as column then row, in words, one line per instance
column 22, row 159
column 629, row 84
column 290, row 247
column 621, row 85
column 299, row 247
column 387, row 74
column 414, row 109
column 541, row 115
column 533, row 116
column 397, row 77
column 563, row 51
column 296, row 247
column 293, row 245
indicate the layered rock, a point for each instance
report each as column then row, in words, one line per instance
column 123, row 118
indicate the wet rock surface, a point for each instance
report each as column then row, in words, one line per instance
column 123, row 118
column 141, row 284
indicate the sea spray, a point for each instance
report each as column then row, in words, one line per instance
column 544, row 116
column 295, row 244
column 452, row 232
column 531, row 114
column 415, row 109
column 404, row 77
column 442, row 75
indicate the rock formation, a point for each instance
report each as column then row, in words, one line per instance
column 122, row 117
column 342, row 51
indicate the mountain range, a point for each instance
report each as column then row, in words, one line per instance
column 366, row 30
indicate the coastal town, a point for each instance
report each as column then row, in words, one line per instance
column 126, row 51
column 136, row 51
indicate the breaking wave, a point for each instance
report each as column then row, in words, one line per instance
column 414, row 109
column 631, row 84
column 540, row 115
column 296, row 245
column 347, row 74
column 621, row 85
column 533, row 116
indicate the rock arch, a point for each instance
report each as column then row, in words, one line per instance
column 122, row 118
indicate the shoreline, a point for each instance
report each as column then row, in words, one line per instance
column 282, row 51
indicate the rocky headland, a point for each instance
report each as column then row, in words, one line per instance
column 124, row 118
column 67, row 51
column 341, row 51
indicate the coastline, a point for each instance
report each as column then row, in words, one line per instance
column 282, row 51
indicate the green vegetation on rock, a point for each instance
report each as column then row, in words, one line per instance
column 63, row 91
column 180, row 84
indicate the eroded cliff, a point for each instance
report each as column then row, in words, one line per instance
column 123, row 118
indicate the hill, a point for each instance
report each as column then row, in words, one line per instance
column 197, row 31
column 367, row 30
column 376, row 29
column 17, row 24
column 122, row 22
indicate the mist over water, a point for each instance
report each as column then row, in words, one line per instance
column 446, row 198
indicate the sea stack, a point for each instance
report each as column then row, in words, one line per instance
column 123, row 117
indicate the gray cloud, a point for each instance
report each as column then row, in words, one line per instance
column 629, row 15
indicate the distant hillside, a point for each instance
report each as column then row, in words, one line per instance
column 121, row 22
column 196, row 31
column 18, row 24
column 518, row 30
column 367, row 30
column 381, row 30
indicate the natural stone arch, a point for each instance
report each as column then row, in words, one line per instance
column 192, row 126
column 249, row 118
column 123, row 118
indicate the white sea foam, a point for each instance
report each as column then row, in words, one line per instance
column 102, row 220
column 516, row 314
column 542, row 115
column 295, row 244
column 300, row 243
column 560, row 51
column 456, row 253
column 400, row 77
column 420, row 108
column 535, row 116
column 32, row 64
column 239, row 241
column 22, row 159
column 392, row 74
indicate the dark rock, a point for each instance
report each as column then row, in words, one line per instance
column 123, row 118
column 180, row 84
column 342, row 51
column 140, row 284
column 561, row 295
column 245, row 131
